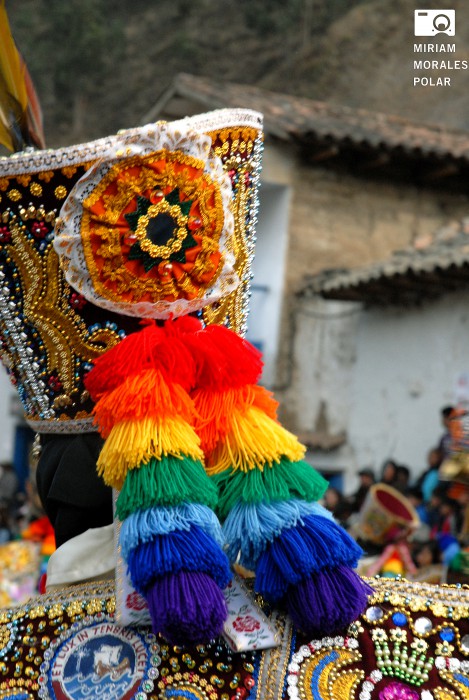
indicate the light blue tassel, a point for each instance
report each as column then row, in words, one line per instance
column 249, row 527
column 143, row 525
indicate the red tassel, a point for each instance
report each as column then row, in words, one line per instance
column 154, row 347
column 131, row 355
column 223, row 359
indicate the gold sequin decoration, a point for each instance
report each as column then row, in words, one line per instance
column 60, row 192
column 113, row 264
column 94, row 606
column 274, row 662
column 36, row 189
column 230, row 307
column 23, row 180
column 46, row 175
column 446, row 601
column 14, row 195
column 234, row 140
column 4, row 182
column 69, row 171
column 5, row 636
column 46, row 307
column 332, row 680
column 444, row 694
column 450, row 680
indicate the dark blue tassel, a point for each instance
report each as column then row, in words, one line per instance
column 300, row 551
column 182, row 550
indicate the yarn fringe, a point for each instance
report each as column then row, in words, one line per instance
column 142, row 526
column 169, row 538
column 223, row 359
column 154, row 347
column 250, row 527
column 328, row 602
column 298, row 552
column 187, row 607
column 254, row 441
column 217, row 411
column 166, row 482
column 283, row 481
column 132, row 355
column 146, row 395
column 131, row 444
column 191, row 550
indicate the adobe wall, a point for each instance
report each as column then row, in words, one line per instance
column 337, row 220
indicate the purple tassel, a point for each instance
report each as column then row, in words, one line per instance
column 328, row 601
column 187, row 607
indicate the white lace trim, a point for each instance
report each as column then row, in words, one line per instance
column 49, row 159
column 82, row 425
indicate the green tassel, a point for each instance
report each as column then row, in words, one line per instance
column 165, row 482
column 280, row 482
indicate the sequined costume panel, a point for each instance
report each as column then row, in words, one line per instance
column 411, row 643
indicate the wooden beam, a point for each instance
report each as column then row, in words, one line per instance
column 324, row 154
column 441, row 172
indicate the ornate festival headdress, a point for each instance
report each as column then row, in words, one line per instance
column 156, row 227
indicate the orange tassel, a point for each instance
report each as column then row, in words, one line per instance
column 217, row 412
column 144, row 395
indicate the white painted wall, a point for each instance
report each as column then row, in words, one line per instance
column 406, row 370
column 268, row 274
column 384, row 374
column 7, row 419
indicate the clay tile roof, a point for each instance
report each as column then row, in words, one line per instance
column 432, row 266
column 288, row 117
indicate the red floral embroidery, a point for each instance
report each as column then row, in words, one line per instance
column 135, row 601
column 39, row 229
column 77, row 301
column 247, row 623
column 54, row 383
column 5, row 235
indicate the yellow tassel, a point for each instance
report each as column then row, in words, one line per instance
column 132, row 443
column 254, row 441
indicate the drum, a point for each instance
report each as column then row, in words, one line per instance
column 384, row 510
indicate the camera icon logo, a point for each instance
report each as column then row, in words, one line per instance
column 432, row 22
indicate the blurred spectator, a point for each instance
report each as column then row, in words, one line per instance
column 415, row 496
column 445, row 442
column 8, row 485
column 332, row 499
column 426, row 554
column 367, row 479
column 433, row 507
column 5, row 532
column 389, row 472
column 430, row 479
column 401, row 482
column 447, row 523
column 395, row 559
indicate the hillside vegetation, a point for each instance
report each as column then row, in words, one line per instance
column 99, row 65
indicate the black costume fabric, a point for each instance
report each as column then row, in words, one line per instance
column 73, row 495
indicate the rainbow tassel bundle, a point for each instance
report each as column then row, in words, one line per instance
column 171, row 398
column 170, row 537
column 267, row 493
